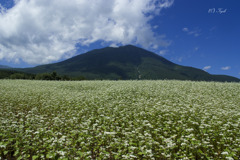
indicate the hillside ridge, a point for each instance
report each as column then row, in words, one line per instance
column 126, row 62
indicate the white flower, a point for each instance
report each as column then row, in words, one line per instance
column 189, row 129
column 224, row 153
column 62, row 153
column 2, row 146
column 110, row 133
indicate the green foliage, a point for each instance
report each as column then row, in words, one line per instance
column 48, row 76
column 65, row 78
column 79, row 78
column 119, row 120
column 18, row 76
column 11, row 74
column 55, row 76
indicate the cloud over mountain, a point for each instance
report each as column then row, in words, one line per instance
column 42, row 31
column 226, row 68
column 207, row 68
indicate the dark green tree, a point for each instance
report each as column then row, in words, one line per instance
column 18, row 76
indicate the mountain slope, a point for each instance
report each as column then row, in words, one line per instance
column 127, row 62
column 2, row 66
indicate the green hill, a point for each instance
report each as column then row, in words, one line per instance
column 127, row 62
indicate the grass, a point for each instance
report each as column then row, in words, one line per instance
column 119, row 120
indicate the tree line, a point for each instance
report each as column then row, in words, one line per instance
column 7, row 74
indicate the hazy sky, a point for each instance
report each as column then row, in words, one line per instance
column 197, row 33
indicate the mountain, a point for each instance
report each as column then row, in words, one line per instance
column 126, row 62
column 2, row 66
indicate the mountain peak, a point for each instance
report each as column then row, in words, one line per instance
column 128, row 45
column 126, row 62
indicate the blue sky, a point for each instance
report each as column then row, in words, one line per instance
column 201, row 34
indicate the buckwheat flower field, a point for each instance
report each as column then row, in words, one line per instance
column 119, row 120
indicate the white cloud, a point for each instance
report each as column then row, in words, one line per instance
column 185, row 29
column 114, row 45
column 42, row 31
column 226, row 68
column 196, row 32
column 163, row 52
column 207, row 68
column 180, row 59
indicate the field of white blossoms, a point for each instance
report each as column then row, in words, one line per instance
column 119, row 120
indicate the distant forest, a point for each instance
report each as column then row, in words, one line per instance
column 11, row 74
